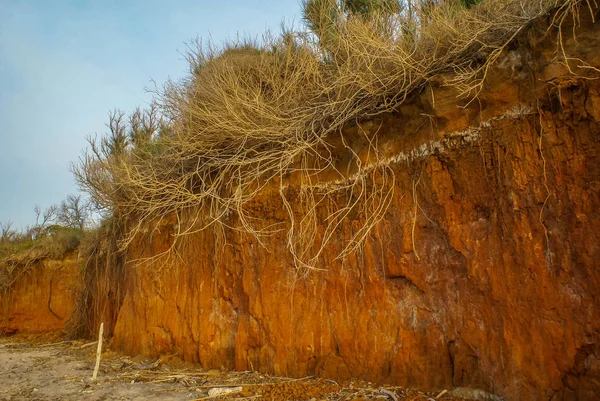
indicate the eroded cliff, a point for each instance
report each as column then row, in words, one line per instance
column 484, row 271
column 43, row 297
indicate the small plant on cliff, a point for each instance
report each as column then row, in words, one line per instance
column 254, row 117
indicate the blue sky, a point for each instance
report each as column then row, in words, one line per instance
column 65, row 63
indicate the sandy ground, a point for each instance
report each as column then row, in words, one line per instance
column 64, row 371
column 30, row 370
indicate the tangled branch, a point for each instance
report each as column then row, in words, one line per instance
column 250, row 116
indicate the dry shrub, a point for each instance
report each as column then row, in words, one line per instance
column 252, row 116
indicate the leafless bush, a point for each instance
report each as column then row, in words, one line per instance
column 73, row 212
column 6, row 232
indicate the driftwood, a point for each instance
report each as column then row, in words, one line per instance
column 98, row 352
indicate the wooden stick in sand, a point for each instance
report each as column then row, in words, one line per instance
column 98, row 352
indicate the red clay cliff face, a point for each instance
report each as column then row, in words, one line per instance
column 43, row 299
column 498, row 290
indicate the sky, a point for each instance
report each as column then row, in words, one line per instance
column 65, row 63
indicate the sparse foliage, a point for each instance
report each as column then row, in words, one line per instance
column 6, row 232
column 143, row 125
column 42, row 219
column 73, row 212
column 116, row 142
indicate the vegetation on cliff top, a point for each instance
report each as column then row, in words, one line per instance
column 57, row 231
column 250, row 115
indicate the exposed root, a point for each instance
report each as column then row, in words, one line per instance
column 415, row 212
column 545, row 183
